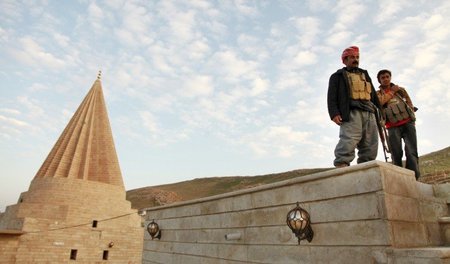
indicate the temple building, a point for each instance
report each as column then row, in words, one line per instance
column 75, row 208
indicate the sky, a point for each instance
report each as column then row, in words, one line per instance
column 200, row 89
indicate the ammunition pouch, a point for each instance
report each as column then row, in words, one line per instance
column 360, row 88
column 397, row 110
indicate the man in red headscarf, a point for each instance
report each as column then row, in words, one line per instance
column 352, row 103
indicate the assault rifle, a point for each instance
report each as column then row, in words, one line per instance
column 382, row 132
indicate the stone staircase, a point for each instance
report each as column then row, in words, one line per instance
column 439, row 254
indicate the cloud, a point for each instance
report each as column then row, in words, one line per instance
column 11, row 12
column 289, row 80
column 336, row 39
column 388, row 10
column 319, row 5
column 253, row 46
column 232, row 67
column 12, row 127
column 199, row 85
column 149, row 122
column 34, row 110
column 426, row 55
column 304, row 58
column 281, row 141
column 245, row 9
column 10, row 111
column 135, row 28
column 38, row 87
column 259, row 86
column 347, row 13
column 95, row 16
column 309, row 30
column 197, row 49
column 13, row 121
column 34, row 55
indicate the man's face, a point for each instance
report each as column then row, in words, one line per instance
column 385, row 79
column 352, row 60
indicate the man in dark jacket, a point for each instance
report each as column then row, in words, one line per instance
column 351, row 105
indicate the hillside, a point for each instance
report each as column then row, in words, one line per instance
column 435, row 168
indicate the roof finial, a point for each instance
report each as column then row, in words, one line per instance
column 99, row 75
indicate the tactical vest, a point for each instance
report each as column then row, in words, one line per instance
column 397, row 110
column 360, row 88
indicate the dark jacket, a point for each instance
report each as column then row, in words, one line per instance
column 339, row 94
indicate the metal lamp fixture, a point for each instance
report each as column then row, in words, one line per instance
column 153, row 230
column 299, row 222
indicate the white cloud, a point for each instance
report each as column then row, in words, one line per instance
column 309, row 29
column 304, row 58
column 348, row 12
column 32, row 54
column 38, row 87
column 10, row 111
column 318, row 5
column 34, row 109
column 290, row 79
column 13, row 121
column 11, row 11
column 198, row 49
column 390, row 11
column 253, row 46
column 12, row 127
column 426, row 55
column 135, row 25
column 232, row 67
column 95, row 15
column 336, row 39
column 200, row 85
column 149, row 122
column 245, row 8
column 436, row 29
column 259, row 86
column 281, row 141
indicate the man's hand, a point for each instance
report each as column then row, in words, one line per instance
column 395, row 88
column 337, row 119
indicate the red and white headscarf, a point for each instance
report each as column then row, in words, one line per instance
column 353, row 50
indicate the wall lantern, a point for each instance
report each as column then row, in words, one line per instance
column 299, row 222
column 153, row 230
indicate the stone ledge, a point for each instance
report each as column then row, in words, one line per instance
column 444, row 220
column 425, row 252
column 11, row 232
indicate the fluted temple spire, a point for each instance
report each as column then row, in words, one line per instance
column 85, row 150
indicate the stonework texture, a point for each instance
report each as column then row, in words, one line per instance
column 57, row 216
column 368, row 213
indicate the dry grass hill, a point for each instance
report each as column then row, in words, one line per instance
column 435, row 168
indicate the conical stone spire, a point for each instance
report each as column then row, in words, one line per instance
column 85, row 150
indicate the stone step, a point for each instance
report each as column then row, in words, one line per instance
column 444, row 223
column 427, row 255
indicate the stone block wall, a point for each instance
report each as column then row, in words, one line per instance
column 60, row 215
column 358, row 214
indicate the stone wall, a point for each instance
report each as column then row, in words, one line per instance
column 57, row 216
column 359, row 214
column 436, row 177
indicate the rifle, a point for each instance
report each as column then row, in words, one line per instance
column 382, row 132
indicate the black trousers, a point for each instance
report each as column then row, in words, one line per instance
column 407, row 133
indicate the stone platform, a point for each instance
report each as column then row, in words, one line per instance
column 368, row 213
